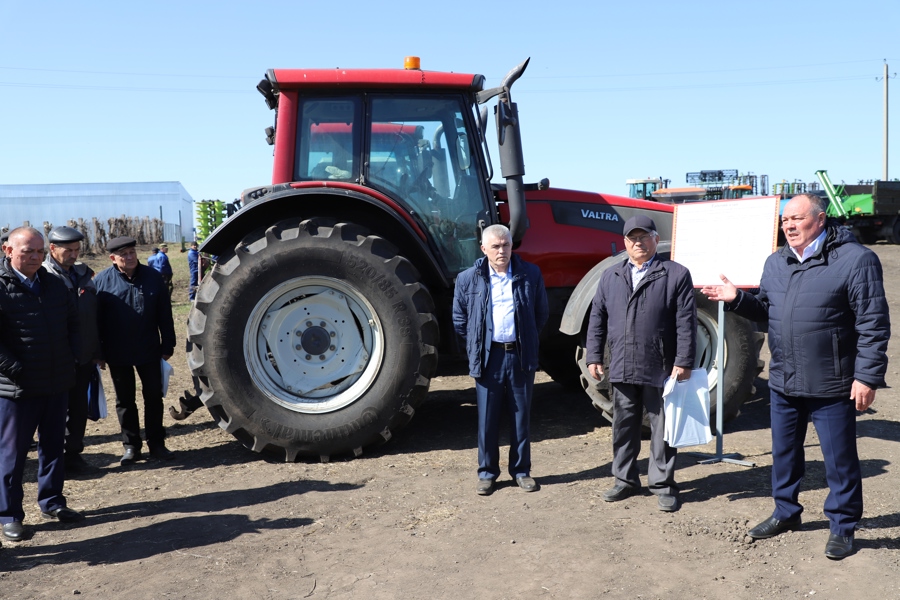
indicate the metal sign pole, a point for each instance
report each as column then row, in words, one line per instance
column 720, row 393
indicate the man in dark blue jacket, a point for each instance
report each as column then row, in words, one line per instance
column 645, row 309
column 499, row 308
column 136, row 332
column 39, row 340
column 829, row 327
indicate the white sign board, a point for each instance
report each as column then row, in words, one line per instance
column 732, row 237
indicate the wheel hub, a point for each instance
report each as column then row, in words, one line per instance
column 316, row 339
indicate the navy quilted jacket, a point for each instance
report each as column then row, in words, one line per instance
column 39, row 336
column 472, row 312
column 828, row 318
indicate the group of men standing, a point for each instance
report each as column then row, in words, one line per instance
column 58, row 324
column 822, row 298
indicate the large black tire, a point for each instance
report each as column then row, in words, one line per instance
column 556, row 354
column 313, row 339
column 742, row 364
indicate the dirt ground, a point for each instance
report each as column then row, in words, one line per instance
column 403, row 521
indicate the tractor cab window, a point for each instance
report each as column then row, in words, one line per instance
column 420, row 153
column 328, row 142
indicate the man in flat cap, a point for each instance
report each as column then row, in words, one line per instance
column 136, row 332
column 644, row 308
column 62, row 261
column 39, row 340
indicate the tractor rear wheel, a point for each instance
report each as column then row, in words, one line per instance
column 313, row 338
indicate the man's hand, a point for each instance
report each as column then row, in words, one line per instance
column 725, row 293
column 596, row 371
column 101, row 364
column 166, row 356
column 680, row 373
column 862, row 394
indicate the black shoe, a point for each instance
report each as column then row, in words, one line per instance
column 772, row 527
column 839, row 546
column 130, row 456
column 14, row 531
column 485, row 487
column 161, row 453
column 527, row 483
column 63, row 515
column 619, row 492
column 667, row 502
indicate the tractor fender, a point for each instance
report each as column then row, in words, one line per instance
column 356, row 204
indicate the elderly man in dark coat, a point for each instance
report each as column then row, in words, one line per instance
column 645, row 309
column 136, row 333
column 62, row 261
column 39, row 339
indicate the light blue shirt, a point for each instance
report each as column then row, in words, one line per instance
column 637, row 273
column 503, row 310
column 29, row 282
column 812, row 248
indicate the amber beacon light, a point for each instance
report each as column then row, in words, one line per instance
column 411, row 62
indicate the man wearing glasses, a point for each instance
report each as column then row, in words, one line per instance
column 644, row 308
column 829, row 326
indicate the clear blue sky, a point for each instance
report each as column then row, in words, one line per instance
column 165, row 91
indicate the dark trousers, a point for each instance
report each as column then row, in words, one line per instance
column 504, row 386
column 126, row 407
column 78, row 409
column 19, row 419
column 835, row 422
column 629, row 402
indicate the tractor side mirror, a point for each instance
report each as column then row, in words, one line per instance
column 462, row 151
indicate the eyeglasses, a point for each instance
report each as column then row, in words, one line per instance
column 642, row 239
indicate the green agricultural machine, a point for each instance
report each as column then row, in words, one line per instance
column 872, row 211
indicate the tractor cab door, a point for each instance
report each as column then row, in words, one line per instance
column 420, row 150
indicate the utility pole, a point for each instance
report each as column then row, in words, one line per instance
column 885, row 77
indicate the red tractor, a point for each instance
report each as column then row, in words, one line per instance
column 319, row 329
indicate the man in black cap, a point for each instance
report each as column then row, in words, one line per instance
column 644, row 308
column 39, row 338
column 62, row 261
column 136, row 332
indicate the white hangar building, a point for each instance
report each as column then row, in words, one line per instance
column 59, row 202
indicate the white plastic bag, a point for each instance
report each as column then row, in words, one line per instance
column 167, row 371
column 686, row 404
column 96, row 396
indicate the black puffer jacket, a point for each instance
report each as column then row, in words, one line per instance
column 39, row 336
column 828, row 318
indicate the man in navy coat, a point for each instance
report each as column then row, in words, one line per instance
column 829, row 326
column 499, row 308
column 136, row 332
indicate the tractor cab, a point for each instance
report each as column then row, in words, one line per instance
column 642, row 189
column 415, row 149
